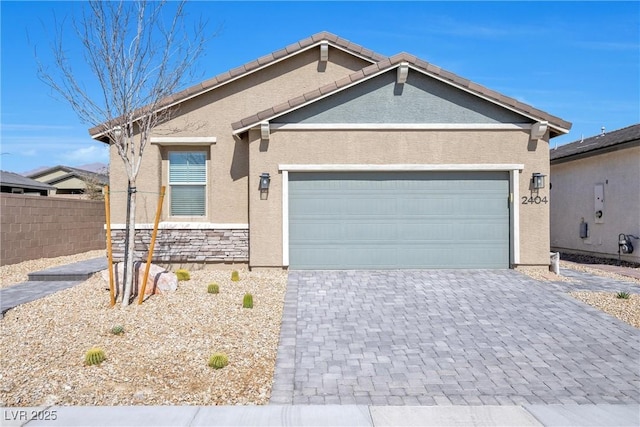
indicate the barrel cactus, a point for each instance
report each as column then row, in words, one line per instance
column 218, row 360
column 247, row 301
column 117, row 330
column 182, row 275
column 94, row 356
column 235, row 276
column 213, row 288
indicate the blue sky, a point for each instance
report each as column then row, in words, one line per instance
column 576, row 60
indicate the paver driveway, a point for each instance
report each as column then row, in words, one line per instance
column 434, row 337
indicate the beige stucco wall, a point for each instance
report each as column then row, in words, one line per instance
column 211, row 115
column 51, row 175
column 70, row 183
column 393, row 147
column 572, row 200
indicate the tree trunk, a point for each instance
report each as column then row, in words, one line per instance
column 130, row 249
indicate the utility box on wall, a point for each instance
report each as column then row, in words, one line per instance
column 598, row 201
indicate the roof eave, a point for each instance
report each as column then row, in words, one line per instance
column 555, row 128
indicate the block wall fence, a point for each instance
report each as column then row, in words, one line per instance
column 33, row 227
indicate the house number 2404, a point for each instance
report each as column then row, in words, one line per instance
column 533, row 200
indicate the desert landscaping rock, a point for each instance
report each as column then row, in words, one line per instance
column 162, row 357
column 159, row 280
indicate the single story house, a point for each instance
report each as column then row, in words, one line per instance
column 17, row 184
column 595, row 194
column 70, row 181
column 327, row 155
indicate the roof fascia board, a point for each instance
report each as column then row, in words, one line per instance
column 262, row 67
column 248, row 73
column 376, row 74
column 311, row 101
column 596, row 152
column 486, row 98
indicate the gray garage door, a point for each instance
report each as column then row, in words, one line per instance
column 387, row 220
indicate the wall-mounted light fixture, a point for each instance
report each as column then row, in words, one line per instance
column 538, row 180
column 265, row 180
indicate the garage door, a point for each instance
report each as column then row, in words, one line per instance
column 389, row 220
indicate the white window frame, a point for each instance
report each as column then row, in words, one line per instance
column 205, row 184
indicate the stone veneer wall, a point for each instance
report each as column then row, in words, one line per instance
column 186, row 245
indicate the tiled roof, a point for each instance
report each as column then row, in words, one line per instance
column 16, row 180
column 386, row 64
column 596, row 143
column 263, row 61
column 79, row 173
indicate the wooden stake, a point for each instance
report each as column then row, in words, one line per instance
column 107, row 211
column 153, row 241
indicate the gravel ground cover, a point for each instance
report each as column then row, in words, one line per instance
column 17, row 273
column 160, row 359
column 627, row 310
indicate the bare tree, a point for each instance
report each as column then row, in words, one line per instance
column 138, row 53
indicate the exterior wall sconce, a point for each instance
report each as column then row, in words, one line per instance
column 538, row 180
column 265, row 180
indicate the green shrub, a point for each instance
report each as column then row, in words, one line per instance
column 182, row 275
column 235, row 276
column 94, row 356
column 213, row 288
column 117, row 330
column 623, row 295
column 218, row 360
column 247, row 301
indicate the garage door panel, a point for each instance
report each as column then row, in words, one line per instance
column 399, row 220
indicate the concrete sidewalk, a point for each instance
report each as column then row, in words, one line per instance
column 325, row 415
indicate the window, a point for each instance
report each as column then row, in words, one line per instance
column 188, row 183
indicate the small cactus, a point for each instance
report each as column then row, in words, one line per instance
column 94, row 356
column 235, row 276
column 117, row 330
column 213, row 288
column 182, row 275
column 247, row 301
column 218, row 360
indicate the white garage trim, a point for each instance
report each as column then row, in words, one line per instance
column 285, row 218
column 513, row 169
column 514, row 178
column 400, row 167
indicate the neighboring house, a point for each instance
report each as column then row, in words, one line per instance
column 70, row 181
column 326, row 155
column 596, row 194
column 17, row 184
